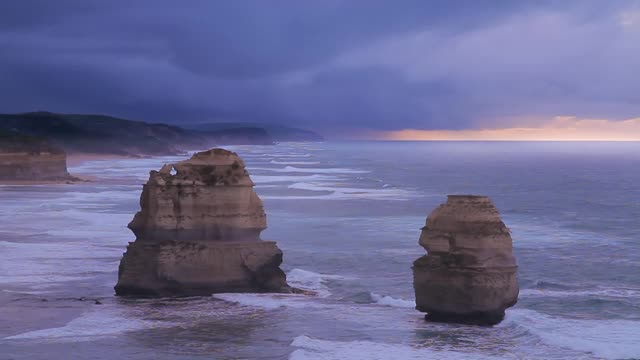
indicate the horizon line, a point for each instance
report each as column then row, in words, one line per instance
column 492, row 140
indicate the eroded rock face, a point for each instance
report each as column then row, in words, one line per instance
column 198, row 232
column 469, row 272
column 29, row 159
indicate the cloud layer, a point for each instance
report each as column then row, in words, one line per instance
column 338, row 66
column 561, row 128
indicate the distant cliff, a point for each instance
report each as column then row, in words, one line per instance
column 239, row 136
column 278, row 133
column 105, row 134
column 26, row 158
column 102, row 134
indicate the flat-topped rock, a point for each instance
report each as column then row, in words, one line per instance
column 24, row 158
column 198, row 232
column 469, row 272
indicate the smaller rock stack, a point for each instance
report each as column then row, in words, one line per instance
column 469, row 273
column 24, row 158
column 198, row 233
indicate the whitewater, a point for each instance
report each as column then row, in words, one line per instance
column 347, row 217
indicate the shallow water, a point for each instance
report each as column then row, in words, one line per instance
column 347, row 216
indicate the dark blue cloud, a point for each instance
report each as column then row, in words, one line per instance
column 327, row 64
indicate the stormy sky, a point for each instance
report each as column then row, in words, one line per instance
column 331, row 65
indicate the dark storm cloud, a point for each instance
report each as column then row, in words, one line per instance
column 321, row 64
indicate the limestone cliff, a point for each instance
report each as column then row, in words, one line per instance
column 469, row 272
column 198, row 232
column 24, row 158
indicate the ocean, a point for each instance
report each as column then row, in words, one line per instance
column 347, row 216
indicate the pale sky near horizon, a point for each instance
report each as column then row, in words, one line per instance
column 414, row 69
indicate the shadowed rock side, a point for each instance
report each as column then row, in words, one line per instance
column 24, row 158
column 198, row 233
column 469, row 274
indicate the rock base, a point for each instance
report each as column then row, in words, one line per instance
column 195, row 268
column 475, row 296
column 474, row 318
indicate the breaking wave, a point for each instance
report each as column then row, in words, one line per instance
column 609, row 339
column 310, row 349
column 391, row 301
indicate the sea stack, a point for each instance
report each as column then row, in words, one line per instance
column 469, row 273
column 198, row 233
column 25, row 158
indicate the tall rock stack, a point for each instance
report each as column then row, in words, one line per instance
column 198, row 233
column 469, row 272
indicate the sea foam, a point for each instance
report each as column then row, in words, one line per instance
column 311, row 349
column 294, row 162
column 41, row 265
column 347, row 193
column 298, row 278
column 609, row 339
column 391, row 301
column 266, row 179
column 270, row 301
column 94, row 324
column 607, row 293
column 291, row 169
column 309, row 280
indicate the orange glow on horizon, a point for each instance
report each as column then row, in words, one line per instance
column 561, row 128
